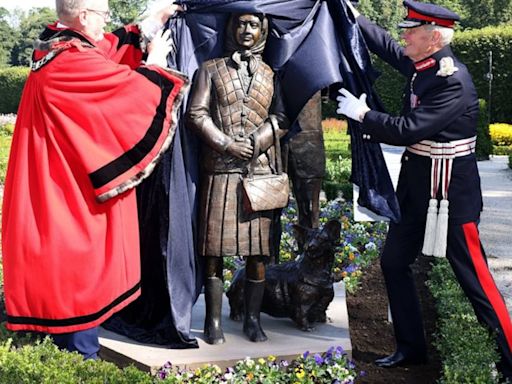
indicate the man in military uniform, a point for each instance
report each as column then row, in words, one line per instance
column 236, row 110
column 438, row 125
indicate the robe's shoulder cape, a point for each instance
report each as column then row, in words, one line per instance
column 90, row 127
column 312, row 45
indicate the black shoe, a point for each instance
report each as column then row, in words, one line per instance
column 399, row 359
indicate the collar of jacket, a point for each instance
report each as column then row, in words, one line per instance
column 432, row 60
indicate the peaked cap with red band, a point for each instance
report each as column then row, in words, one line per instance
column 419, row 13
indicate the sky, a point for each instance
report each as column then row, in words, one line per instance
column 26, row 4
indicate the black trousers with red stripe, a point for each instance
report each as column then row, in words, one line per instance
column 467, row 258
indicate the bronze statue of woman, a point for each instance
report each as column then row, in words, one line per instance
column 236, row 109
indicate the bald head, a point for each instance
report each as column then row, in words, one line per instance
column 68, row 9
column 86, row 16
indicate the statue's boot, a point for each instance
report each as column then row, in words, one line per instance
column 253, row 296
column 214, row 288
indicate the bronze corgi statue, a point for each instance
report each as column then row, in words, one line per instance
column 300, row 289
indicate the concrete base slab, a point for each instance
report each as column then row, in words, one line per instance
column 285, row 340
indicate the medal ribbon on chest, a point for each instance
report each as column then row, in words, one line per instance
column 415, row 101
column 420, row 66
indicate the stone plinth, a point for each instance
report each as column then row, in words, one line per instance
column 285, row 340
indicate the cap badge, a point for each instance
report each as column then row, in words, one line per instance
column 446, row 67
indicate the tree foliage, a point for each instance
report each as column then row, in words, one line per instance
column 474, row 13
column 482, row 13
column 8, row 34
column 386, row 13
column 30, row 27
column 127, row 11
column 19, row 30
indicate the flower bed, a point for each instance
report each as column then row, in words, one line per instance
column 331, row 367
column 42, row 362
column 360, row 243
column 501, row 136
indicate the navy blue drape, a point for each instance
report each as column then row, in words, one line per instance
column 312, row 45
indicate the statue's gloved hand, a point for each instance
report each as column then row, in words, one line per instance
column 240, row 149
column 351, row 106
column 159, row 13
column 159, row 48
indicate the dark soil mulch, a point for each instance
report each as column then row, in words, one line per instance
column 372, row 333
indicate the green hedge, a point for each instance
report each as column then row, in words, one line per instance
column 501, row 137
column 501, row 134
column 338, row 165
column 472, row 48
column 484, row 146
column 468, row 351
column 12, row 80
column 6, row 131
column 45, row 363
column 389, row 86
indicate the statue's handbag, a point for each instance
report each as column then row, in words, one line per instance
column 265, row 192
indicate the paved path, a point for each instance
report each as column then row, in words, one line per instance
column 496, row 221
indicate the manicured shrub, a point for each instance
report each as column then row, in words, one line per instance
column 329, row 108
column 389, row 86
column 12, row 81
column 468, row 351
column 336, row 179
column 43, row 362
column 483, row 137
column 6, row 130
column 338, row 159
column 472, row 47
column 501, row 134
column 502, row 150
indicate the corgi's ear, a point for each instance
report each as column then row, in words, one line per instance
column 301, row 235
column 333, row 228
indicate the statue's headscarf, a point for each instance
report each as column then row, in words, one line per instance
column 238, row 52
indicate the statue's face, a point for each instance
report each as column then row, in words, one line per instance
column 248, row 30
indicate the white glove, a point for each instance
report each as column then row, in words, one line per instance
column 351, row 106
column 159, row 48
column 157, row 16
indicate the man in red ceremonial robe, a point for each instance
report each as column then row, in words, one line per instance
column 91, row 125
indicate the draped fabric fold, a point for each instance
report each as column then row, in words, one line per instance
column 312, row 45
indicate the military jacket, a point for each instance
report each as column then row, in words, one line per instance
column 438, row 105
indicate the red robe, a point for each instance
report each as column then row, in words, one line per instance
column 88, row 130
